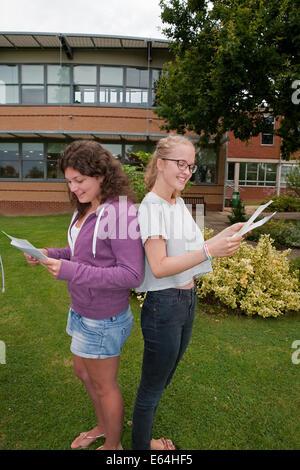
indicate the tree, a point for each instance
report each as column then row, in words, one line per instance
column 236, row 62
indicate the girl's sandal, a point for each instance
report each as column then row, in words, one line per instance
column 84, row 435
column 100, row 448
column 167, row 444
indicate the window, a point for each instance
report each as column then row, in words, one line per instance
column 58, row 74
column 110, row 95
column 32, row 77
column 155, row 77
column 111, row 76
column 267, row 138
column 84, row 95
column 9, row 88
column 137, row 86
column 137, row 77
column 85, row 74
column 58, row 94
column 9, row 160
column 134, row 148
column 206, row 160
column 114, row 149
column 39, row 161
column 33, row 160
column 230, row 172
column 53, row 84
column 135, row 96
column 257, row 174
column 58, row 84
column 285, row 170
column 111, row 85
column 54, row 150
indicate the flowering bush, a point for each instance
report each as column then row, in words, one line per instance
column 256, row 280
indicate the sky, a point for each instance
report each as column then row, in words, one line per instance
column 136, row 18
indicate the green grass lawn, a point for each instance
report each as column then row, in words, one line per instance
column 236, row 387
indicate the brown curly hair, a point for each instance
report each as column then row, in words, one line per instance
column 91, row 159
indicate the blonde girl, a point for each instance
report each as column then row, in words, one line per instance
column 175, row 255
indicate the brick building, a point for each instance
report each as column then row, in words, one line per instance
column 256, row 169
column 55, row 88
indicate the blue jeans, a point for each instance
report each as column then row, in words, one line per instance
column 167, row 321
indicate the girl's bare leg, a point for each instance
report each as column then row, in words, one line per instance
column 82, row 373
column 101, row 383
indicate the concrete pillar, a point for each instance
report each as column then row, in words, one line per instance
column 278, row 178
column 236, row 176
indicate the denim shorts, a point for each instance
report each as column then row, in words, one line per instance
column 99, row 339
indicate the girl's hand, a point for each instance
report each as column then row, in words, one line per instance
column 53, row 265
column 224, row 244
column 33, row 261
column 231, row 230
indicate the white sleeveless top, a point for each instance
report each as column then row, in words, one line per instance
column 181, row 233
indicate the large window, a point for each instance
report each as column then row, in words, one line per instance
column 91, row 85
column 257, row 174
column 26, row 161
column 29, row 161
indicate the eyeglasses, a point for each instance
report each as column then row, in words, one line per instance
column 182, row 164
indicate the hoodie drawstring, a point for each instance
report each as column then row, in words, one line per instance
column 96, row 231
column 2, row 270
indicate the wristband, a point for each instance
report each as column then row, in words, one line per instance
column 207, row 253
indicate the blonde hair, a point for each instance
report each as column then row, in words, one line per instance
column 163, row 149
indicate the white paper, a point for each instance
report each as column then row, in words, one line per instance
column 250, row 225
column 26, row 247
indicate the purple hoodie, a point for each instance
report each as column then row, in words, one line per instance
column 108, row 260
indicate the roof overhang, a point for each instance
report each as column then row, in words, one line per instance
column 69, row 41
column 8, row 135
column 71, row 135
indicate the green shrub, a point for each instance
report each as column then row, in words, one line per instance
column 295, row 266
column 238, row 212
column 275, row 228
column 284, row 203
column 282, row 233
column 136, row 179
column 292, row 234
column 258, row 281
